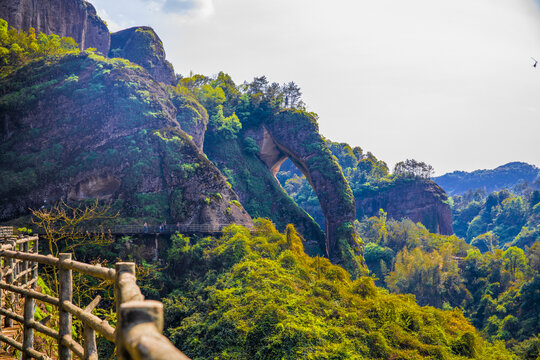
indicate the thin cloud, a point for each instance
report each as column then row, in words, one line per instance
column 192, row 9
column 179, row 6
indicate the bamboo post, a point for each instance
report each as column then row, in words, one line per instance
column 28, row 331
column 121, row 268
column 25, row 265
column 89, row 334
column 66, row 294
column 16, row 270
column 35, row 273
column 141, row 331
column 9, row 280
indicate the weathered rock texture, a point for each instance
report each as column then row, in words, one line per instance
column 259, row 192
column 419, row 200
column 192, row 116
column 85, row 127
column 142, row 46
column 294, row 134
column 73, row 18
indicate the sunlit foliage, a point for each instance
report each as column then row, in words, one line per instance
column 256, row 295
column 18, row 47
column 498, row 220
column 498, row 290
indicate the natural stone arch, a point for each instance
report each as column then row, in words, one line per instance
column 294, row 134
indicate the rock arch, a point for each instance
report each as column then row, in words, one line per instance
column 294, row 134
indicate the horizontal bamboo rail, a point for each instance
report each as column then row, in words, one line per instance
column 101, row 326
column 6, row 231
column 139, row 323
column 42, row 259
column 17, row 345
column 91, row 270
column 35, row 294
column 143, row 338
column 72, row 345
column 34, row 324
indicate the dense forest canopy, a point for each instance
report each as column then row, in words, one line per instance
column 258, row 296
column 498, row 220
column 498, row 290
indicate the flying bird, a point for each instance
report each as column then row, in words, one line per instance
column 535, row 62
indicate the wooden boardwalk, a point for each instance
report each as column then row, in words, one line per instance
column 10, row 332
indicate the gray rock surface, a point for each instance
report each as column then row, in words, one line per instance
column 73, row 18
column 142, row 46
column 102, row 128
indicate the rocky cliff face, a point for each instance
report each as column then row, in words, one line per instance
column 260, row 193
column 85, row 126
column 191, row 115
column 419, row 200
column 296, row 135
column 73, row 18
column 142, row 46
column 292, row 134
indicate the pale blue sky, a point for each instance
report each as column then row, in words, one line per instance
column 446, row 82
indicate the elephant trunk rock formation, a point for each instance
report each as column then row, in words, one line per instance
column 294, row 134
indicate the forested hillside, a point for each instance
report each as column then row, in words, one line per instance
column 258, row 296
column 498, row 290
column 506, row 176
column 498, row 220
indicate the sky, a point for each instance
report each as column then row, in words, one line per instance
column 450, row 83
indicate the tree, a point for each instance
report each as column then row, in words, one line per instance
column 69, row 227
column 291, row 95
column 515, row 261
column 228, row 126
column 431, row 276
column 413, row 168
column 258, row 85
column 533, row 255
column 274, row 95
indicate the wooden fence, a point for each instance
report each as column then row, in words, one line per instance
column 6, row 231
column 138, row 334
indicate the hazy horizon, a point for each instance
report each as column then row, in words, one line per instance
column 451, row 84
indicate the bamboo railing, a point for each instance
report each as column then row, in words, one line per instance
column 138, row 334
column 6, row 231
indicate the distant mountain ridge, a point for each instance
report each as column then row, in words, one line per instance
column 504, row 176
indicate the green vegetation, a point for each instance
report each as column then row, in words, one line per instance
column 508, row 176
column 498, row 290
column 228, row 127
column 251, row 179
column 231, row 111
column 498, row 220
column 413, row 168
column 258, row 296
column 366, row 175
column 19, row 47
